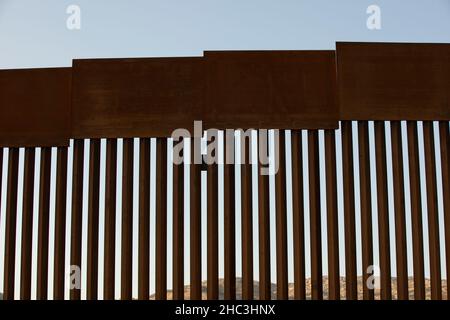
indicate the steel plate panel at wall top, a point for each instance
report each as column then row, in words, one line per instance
column 394, row 81
column 146, row 97
column 271, row 89
column 35, row 107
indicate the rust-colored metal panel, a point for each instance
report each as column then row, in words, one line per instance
column 60, row 224
column 332, row 216
column 445, row 161
column 148, row 97
column 161, row 219
column 10, row 224
column 144, row 219
column 416, row 211
column 393, row 81
column 93, row 219
column 27, row 224
column 264, row 224
column 195, row 221
column 246, row 216
column 43, row 226
column 229, row 215
column 110, row 219
column 281, row 219
column 349, row 211
column 213, row 243
column 127, row 219
column 270, row 89
column 298, row 213
column 432, row 210
column 383, row 211
column 178, row 227
column 366, row 206
column 399, row 206
column 315, row 219
column 77, row 211
column 1, row 172
column 35, row 107
column 213, row 222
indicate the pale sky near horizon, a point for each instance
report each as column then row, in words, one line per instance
column 34, row 34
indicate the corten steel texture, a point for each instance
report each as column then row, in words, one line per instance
column 332, row 215
column 127, row 219
column 422, row 60
column 229, row 214
column 148, row 97
column 264, row 223
column 270, row 89
column 43, row 226
column 144, row 220
column 432, row 211
column 1, row 173
column 77, row 210
column 195, row 222
column 383, row 213
column 110, row 218
column 60, row 223
column 35, row 107
column 416, row 211
column 298, row 213
column 246, row 214
column 10, row 224
column 93, row 219
column 314, row 208
column 178, row 228
column 349, row 211
column 281, row 218
column 393, row 81
column 213, row 222
column 161, row 219
column 445, row 161
column 27, row 224
column 365, row 206
column 213, row 246
column 399, row 206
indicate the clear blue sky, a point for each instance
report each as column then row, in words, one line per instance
column 34, row 33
